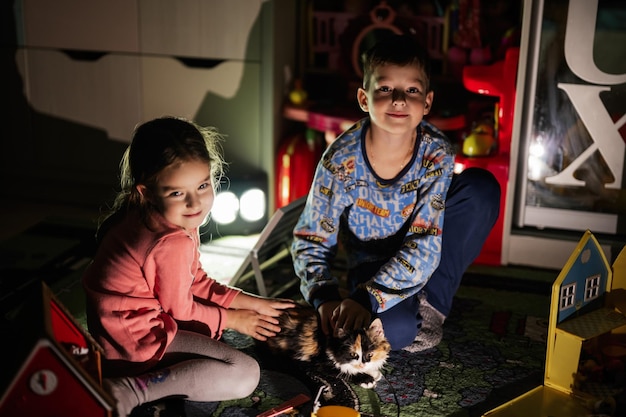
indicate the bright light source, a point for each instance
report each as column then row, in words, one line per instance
column 536, row 149
column 240, row 207
column 252, row 205
column 225, row 208
column 536, row 164
column 534, row 168
column 458, row 167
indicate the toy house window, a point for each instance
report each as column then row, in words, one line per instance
column 568, row 296
column 592, row 287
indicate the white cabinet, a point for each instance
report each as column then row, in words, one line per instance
column 200, row 28
column 107, row 65
column 106, row 25
column 227, row 96
column 196, row 28
column 101, row 93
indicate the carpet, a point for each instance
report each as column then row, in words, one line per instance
column 493, row 350
column 493, row 346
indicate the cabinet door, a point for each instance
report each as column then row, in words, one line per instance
column 226, row 96
column 108, row 25
column 171, row 86
column 201, row 28
column 102, row 93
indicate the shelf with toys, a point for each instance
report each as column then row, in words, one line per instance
column 486, row 146
column 473, row 71
column 334, row 120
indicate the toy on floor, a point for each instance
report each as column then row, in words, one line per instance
column 331, row 410
column 587, row 305
column 286, row 407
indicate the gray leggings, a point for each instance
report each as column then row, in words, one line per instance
column 195, row 367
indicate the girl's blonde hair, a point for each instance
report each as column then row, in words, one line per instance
column 156, row 145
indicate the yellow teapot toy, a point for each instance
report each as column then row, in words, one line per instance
column 481, row 141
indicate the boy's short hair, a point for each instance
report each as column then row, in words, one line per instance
column 398, row 50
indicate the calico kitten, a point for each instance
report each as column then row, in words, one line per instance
column 359, row 355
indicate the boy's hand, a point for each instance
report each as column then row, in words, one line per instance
column 326, row 313
column 350, row 315
column 346, row 314
column 252, row 323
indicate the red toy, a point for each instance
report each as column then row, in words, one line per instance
column 52, row 367
column 295, row 166
column 497, row 80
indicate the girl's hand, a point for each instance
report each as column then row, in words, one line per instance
column 273, row 306
column 268, row 306
column 251, row 323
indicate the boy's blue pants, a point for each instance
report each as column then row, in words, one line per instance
column 472, row 208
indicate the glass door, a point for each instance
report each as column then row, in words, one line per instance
column 572, row 153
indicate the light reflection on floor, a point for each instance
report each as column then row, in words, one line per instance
column 221, row 258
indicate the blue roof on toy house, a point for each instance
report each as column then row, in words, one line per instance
column 583, row 281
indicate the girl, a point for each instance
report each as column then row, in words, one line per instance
column 150, row 305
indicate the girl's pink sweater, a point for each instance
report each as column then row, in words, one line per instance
column 144, row 281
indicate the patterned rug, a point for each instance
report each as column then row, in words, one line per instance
column 493, row 349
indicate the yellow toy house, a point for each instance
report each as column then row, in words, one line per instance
column 587, row 320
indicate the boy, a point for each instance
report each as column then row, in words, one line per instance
column 381, row 189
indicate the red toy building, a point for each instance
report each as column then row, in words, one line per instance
column 496, row 80
column 51, row 366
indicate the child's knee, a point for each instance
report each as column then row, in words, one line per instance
column 247, row 379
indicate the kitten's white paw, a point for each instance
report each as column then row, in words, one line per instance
column 368, row 385
column 376, row 376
